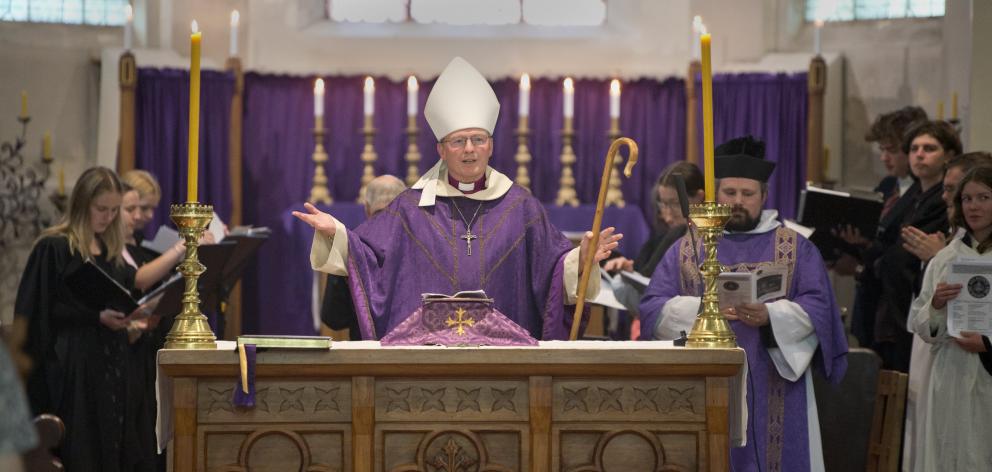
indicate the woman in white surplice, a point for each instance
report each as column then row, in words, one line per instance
column 959, row 404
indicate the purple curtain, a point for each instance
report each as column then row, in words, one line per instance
column 162, row 140
column 771, row 107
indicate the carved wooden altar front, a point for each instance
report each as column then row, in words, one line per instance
column 560, row 406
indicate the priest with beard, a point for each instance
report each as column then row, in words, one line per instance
column 783, row 338
column 462, row 226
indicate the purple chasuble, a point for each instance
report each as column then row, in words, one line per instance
column 777, row 433
column 517, row 257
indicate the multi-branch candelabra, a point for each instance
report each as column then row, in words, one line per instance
column 21, row 185
column 614, row 196
column 319, row 193
column 566, row 189
column 368, row 156
column 523, row 154
column 412, row 152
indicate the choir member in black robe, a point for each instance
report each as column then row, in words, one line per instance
column 79, row 351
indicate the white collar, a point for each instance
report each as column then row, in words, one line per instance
column 768, row 222
column 435, row 184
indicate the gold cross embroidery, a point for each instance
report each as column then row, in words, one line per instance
column 461, row 322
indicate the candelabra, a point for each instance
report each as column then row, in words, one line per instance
column 368, row 156
column 412, row 152
column 319, row 192
column 711, row 329
column 614, row 196
column 191, row 330
column 523, row 154
column 566, row 186
column 21, row 185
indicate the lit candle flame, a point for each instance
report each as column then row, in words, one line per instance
column 411, row 83
column 525, row 82
column 235, row 18
column 194, row 26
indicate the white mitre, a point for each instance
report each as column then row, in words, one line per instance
column 461, row 98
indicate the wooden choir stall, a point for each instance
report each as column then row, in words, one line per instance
column 560, row 406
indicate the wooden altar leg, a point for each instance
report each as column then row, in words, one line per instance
column 540, row 424
column 184, row 422
column 717, row 422
column 362, row 424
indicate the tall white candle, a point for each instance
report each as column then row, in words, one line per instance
column 411, row 96
column 318, row 98
column 235, row 19
column 614, row 98
column 525, row 95
column 568, row 103
column 128, row 26
column 697, row 30
column 818, row 25
column 369, row 96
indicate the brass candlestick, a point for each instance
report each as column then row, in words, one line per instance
column 711, row 329
column 412, row 152
column 368, row 156
column 190, row 330
column 319, row 193
column 566, row 189
column 523, row 154
column 614, row 196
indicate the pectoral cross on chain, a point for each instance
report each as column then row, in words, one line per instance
column 468, row 237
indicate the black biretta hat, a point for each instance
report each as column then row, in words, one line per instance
column 742, row 157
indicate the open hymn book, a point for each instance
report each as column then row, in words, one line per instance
column 762, row 285
column 167, row 237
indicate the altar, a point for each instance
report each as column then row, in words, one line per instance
column 560, row 406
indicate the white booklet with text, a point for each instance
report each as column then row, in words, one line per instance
column 765, row 284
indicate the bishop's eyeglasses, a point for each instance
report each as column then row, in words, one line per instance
column 459, row 143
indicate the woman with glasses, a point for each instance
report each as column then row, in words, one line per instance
column 672, row 225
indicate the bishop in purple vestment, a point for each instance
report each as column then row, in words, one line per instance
column 783, row 338
column 463, row 226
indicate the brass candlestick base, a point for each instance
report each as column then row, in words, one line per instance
column 190, row 330
column 319, row 193
column 711, row 329
column 566, row 185
column 412, row 152
column 523, row 154
column 614, row 196
column 369, row 157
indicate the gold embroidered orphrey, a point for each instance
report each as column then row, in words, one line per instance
column 460, row 323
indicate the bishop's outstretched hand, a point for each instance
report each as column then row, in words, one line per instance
column 607, row 243
column 317, row 219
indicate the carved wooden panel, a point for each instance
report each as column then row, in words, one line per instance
column 283, row 447
column 629, row 400
column 630, row 448
column 451, row 400
column 461, row 447
column 313, row 401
